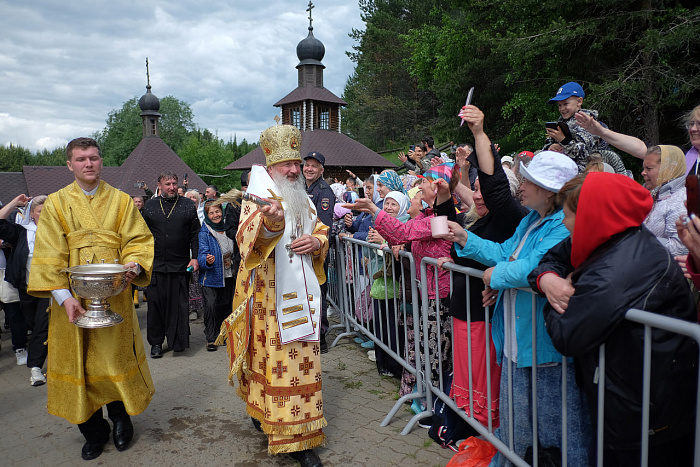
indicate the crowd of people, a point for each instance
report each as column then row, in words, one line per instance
column 512, row 217
column 515, row 221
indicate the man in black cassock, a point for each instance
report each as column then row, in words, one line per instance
column 175, row 227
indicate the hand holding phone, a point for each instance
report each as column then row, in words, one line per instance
column 692, row 188
column 361, row 192
column 468, row 101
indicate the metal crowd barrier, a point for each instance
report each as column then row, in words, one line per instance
column 356, row 262
column 348, row 265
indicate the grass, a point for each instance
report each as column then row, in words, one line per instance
column 342, row 366
column 353, row 384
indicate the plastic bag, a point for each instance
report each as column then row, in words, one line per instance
column 380, row 291
column 473, row 452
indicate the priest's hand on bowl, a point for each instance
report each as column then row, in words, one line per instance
column 73, row 309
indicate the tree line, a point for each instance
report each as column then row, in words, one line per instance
column 417, row 59
column 203, row 151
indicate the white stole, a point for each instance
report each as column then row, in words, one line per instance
column 298, row 293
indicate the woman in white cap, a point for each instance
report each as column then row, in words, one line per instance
column 512, row 326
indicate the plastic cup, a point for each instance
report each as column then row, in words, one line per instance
column 438, row 226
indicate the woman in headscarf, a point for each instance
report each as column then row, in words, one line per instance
column 197, row 199
column 396, row 204
column 609, row 264
column 388, row 181
column 437, row 188
column 217, row 275
column 664, row 176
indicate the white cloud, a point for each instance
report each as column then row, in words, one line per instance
column 64, row 67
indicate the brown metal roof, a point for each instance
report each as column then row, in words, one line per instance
column 11, row 185
column 151, row 157
column 312, row 93
column 339, row 150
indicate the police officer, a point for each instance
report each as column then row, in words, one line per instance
column 323, row 198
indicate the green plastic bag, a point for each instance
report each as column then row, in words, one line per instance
column 380, row 291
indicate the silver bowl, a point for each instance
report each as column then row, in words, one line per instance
column 96, row 283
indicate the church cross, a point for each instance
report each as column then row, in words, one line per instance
column 148, row 76
column 277, row 119
column 311, row 21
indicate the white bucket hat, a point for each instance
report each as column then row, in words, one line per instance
column 550, row 170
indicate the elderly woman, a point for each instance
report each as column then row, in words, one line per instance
column 692, row 157
column 21, row 236
column 610, row 264
column 217, row 275
column 664, row 176
column 396, row 204
column 437, row 188
column 509, row 264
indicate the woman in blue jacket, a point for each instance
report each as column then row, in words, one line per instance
column 216, row 273
column 509, row 264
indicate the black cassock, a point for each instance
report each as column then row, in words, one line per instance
column 175, row 228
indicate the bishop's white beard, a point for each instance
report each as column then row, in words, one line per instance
column 294, row 196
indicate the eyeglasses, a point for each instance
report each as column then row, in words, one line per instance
column 691, row 124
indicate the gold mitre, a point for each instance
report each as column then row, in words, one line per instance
column 281, row 143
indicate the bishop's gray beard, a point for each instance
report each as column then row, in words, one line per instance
column 294, row 196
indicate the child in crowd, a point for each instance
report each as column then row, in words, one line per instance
column 569, row 137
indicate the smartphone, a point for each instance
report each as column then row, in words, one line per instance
column 412, row 147
column 138, row 185
column 361, row 192
column 693, row 194
column 552, row 125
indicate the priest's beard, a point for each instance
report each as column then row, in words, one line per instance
column 294, row 195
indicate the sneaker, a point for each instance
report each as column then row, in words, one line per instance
column 371, row 355
column 193, row 315
column 368, row 344
column 21, row 355
column 38, row 377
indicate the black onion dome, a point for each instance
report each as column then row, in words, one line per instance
column 149, row 102
column 310, row 51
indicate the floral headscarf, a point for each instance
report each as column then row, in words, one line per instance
column 392, row 181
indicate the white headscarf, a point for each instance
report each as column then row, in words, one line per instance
column 403, row 200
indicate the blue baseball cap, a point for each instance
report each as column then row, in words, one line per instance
column 318, row 156
column 568, row 90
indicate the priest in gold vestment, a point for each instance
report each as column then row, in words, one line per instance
column 87, row 368
column 272, row 334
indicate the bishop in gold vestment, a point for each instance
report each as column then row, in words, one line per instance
column 280, row 383
column 88, row 368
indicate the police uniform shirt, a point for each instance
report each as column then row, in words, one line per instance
column 323, row 198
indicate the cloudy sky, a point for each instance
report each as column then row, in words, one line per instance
column 65, row 65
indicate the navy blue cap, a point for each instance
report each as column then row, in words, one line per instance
column 568, row 90
column 318, row 156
